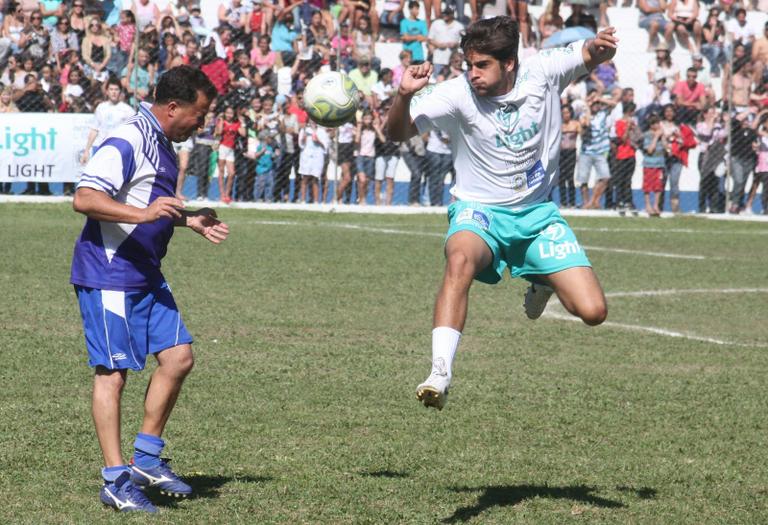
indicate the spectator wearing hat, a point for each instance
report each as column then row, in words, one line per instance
column 444, row 37
column 595, row 146
column 653, row 19
column 713, row 43
column 662, row 63
column 413, row 33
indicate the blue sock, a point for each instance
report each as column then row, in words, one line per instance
column 110, row 474
column 147, row 449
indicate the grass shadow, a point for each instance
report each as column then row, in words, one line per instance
column 206, row 487
column 508, row 495
column 385, row 473
column 642, row 492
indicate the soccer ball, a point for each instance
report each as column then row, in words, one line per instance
column 331, row 99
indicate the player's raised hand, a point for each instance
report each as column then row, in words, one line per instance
column 204, row 222
column 415, row 78
column 163, row 208
column 602, row 47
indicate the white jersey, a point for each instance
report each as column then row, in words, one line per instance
column 108, row 116
column 505, row 149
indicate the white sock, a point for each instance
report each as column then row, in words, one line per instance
column 445, row 340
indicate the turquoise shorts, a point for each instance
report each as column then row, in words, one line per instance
column 530, row 242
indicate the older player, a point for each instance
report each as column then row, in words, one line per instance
column 127, row 191
column 504, row 122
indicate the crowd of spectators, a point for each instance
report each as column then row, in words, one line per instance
column 67, row 55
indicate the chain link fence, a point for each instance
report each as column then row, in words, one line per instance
column 711, row 155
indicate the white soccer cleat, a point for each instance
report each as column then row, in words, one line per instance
column 536, row 297
column 434, row 391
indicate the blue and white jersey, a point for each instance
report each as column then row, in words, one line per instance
column 135, row 165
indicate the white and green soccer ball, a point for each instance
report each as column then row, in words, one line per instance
column 331, row 99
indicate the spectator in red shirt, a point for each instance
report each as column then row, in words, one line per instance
column 690, row 97
column 215, row 69
column 296, row 107
column 628, row 135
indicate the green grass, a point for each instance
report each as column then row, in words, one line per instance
column 311, row 338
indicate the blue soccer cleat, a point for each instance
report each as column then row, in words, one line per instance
column 161, row 478
column 123, row 496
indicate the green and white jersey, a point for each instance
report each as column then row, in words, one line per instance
column 505, row 149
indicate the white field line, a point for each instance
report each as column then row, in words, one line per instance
column 391, row 231
column 670, row 230
column 651, row 293
column 658, row 331
column 663, row 331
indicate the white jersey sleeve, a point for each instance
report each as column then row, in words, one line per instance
column 114, row 163
column 562, row 65
column 434, row 107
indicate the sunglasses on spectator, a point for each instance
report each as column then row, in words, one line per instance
column 37, row 18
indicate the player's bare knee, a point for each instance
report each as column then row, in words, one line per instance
column 594, row 314
column 112, row 380
column 184, row 364
column 458, row 266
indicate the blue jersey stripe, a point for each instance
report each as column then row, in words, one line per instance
column 101, row 182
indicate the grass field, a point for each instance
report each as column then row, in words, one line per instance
column 312, row 331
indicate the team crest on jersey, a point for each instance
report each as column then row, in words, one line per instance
column 507, row 116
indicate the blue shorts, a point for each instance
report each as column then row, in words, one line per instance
column 122, row 328
column 530, row 242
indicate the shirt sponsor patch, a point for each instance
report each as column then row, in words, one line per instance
column 535, row 174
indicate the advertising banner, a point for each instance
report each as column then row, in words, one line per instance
column 42, row 147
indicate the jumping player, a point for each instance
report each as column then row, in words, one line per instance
column 504, row 122
column 127, row 191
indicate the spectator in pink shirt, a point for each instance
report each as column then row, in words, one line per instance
column 690, row 97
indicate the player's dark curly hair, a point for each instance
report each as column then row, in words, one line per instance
column 182, row 83
column 498, row 37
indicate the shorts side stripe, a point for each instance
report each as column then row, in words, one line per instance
column 178, row 327
column 130, row 343
column 106, row 334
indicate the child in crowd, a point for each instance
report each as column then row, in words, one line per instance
column 313, row 142
column 654, row 147
column 266, row 155
column 365, row 140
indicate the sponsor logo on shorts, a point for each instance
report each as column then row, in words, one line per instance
column 470, row 215
column 551, row 250
column 119, row 356
column 556, row 248
column 554, row 232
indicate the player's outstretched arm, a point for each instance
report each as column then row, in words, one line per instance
column 399, row 124
column 601, row 48
column 99, row 206
column 204, row 222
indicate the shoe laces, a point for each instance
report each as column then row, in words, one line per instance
column 136, row 495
